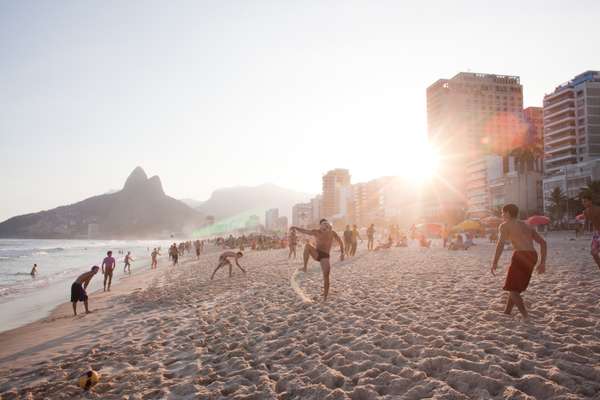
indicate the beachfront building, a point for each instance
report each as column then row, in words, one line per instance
column 335, row 192
column 302, row 214
column 252, row 223
column 271, row 217
column 534, row 120
column 572, row 134
column 281, row 224
column 479, row 173
column 468, row 117
column 93, row 230
column 521, row 188
column 316, row 206
column 494, row 180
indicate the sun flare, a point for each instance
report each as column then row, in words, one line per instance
column 420, row 163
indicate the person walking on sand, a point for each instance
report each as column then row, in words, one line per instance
column 128, row 260
column 33, row 272
column 175, row 254
column 293, row 243
column 108, row 266
column 355, row 237
column 523, row 259
column 224, row 260
column 370, row 237
column 324, row 236
column 347, row 240
column 78, row 289
column 197, row 248
column 154, row 255
column 592, row 214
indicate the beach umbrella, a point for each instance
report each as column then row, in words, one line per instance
column 492, row 221
column 580, row 218
column 468, row 225
column 538, row 220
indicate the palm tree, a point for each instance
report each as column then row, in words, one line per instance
column 558, row 202
column 525, row 160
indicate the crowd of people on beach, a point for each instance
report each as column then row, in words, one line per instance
column 318, row 244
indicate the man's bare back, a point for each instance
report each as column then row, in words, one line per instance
column 519, row 233
column 85, row 278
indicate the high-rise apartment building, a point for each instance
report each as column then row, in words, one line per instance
column 534, row 120
column 471, row 116
column 271, row 217
column 316, row 205
column 572, row 134
column 302, row 214
column 335, row 185
column 572, row 122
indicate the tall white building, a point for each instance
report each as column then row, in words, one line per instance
column 302, row 215
column 335, row 183
column 316, row 203
column 271, row 217
column 470, row 116
column 572, row 134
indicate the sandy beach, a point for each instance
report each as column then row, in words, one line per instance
column 405, row 323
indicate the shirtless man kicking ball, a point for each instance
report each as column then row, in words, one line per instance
column 224, row 260
column 524, row 256
column 324, row 236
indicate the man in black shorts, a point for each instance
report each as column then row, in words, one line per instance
column 324, row 236
column 78, row 289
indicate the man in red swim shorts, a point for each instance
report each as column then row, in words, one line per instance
column 524, row 256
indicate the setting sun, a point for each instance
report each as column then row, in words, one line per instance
column 419, row 162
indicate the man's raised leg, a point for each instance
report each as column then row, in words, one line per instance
column 309, row 251
column 105, row 279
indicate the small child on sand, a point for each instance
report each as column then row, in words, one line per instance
column 524, row 256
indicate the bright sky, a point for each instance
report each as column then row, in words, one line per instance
column 208, row 94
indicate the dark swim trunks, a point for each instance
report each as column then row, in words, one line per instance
column 321, row 255
column 78, row 293
column 520, row 270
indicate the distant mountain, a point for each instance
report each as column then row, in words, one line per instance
column 192, row 203
column 140, row 209
column 228, row 202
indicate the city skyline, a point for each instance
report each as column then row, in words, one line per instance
column 210, row 97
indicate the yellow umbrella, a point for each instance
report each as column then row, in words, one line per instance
column 468, row 225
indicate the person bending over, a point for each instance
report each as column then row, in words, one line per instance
column 224, row 260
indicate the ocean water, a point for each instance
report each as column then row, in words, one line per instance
column 24, row 299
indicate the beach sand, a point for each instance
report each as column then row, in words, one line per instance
column 405, row 323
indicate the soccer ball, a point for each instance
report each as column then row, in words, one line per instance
column 89, row 379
